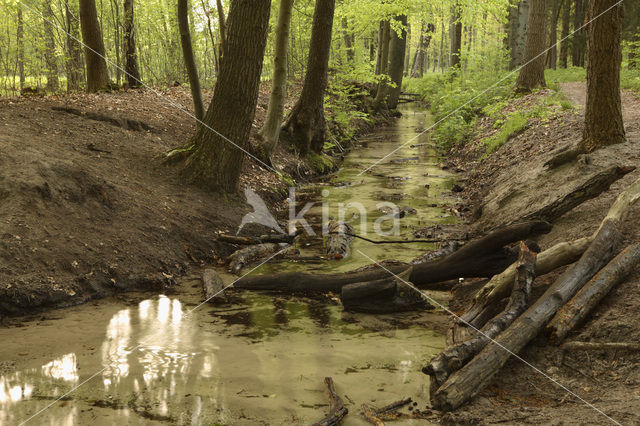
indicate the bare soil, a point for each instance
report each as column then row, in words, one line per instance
column 513, row 182
column 87, row 207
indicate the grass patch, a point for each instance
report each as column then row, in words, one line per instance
column 513, row 126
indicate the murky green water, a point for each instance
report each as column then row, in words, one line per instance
column 164, row 359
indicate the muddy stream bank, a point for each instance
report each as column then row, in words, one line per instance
column 166, row 359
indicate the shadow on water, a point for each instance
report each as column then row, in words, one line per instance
column 260, row 360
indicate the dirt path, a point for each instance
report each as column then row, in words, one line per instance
column 577, row 94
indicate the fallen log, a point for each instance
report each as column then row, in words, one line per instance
column 483, row 257
column 578, row 308
column 262, row 239
column 337, row 410
column 593, row 187
column 213, row 287
column 473, row 377
column 564, row 155
column 245, row 256
column 338, row 241
column 500, row 285
column 385, row 296
column 455, row 357
column 595, row 346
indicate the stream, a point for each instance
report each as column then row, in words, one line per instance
column 167, row 359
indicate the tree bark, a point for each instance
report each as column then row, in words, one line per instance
column 189, row 58
column 552, row 53
column 603, row 111
column 407, row 53
column 50, row 57
column 222, row 25
column 384, row 64
column 306, row 125
column 425, row 40
column 455, row 357
column 216, row 164
column 456, row 37
column 270, row 132
column 500, row 285
column 379, row 50
column 130, row 53
column 532, row 73
column 580, row 306
column 473, row 377
column 97, row 74
column 348, row 38
column 74, row 65
column 397, row 47
column 579, row 40
column 524, row 8
column 564, row 46
column 511, row 41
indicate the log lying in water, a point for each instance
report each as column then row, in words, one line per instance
column 455, row 357
column 337, row 410
column 338, row 241
column 245, row 256
column 580, row 306
column 483, row 257
column 385, row 296
column 473, row 377
column 593, row 187
column 249, row 241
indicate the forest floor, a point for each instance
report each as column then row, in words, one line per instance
column 512, row 182
column 87, row 208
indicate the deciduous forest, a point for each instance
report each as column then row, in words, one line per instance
column 319, row 212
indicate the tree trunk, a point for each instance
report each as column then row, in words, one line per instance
column 532, row 73
column 223, row 28
column 580, row 306
column 456, row 37
column 20, row 46
column 216, row 163
column 523, row 21
column 97, row 74
column 270, row 132
column 473, row 377
column 511, row 41
column 74, row 62
column 397, row 47
column 552, row 53
column 115, row 15
column 579, row 40
column 379, row 53
column 348, row 38
column 129, row 50
column 50, row 57
column 603, row 111
column 189, row 58
column 306, row 125
column 425, row 40
column 564, row 46
column 407, row 53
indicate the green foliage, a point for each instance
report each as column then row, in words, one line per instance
column 344, row 107
column 630, row 79
column 514, row 124
column 456, row 101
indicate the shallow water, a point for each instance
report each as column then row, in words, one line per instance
column 165, row 359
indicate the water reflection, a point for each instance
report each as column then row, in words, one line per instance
column 261, row 361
